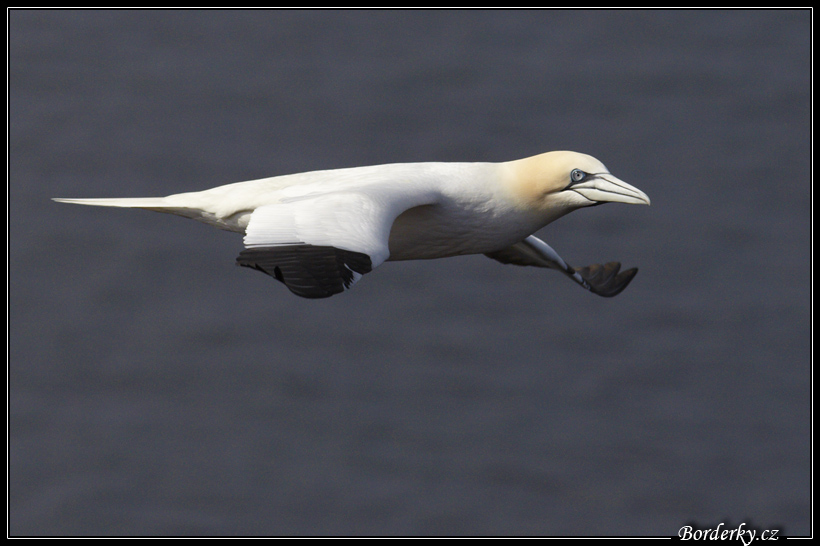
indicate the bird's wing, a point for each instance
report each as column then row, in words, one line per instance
column 320, row 245
column 604, row 280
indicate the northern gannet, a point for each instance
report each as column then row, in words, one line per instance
column 319, row 232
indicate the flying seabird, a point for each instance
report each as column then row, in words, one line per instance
column 319, row 232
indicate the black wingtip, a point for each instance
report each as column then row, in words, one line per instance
column 308, row 271
column 605, row 280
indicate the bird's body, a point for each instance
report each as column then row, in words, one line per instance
column 318, row 232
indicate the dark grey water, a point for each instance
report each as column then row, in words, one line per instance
column 155, row 388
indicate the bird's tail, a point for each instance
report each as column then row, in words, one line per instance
column 179, row 204
column 153, row 203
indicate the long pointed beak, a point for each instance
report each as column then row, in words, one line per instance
column 604, row 187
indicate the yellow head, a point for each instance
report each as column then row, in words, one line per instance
column 561, row 181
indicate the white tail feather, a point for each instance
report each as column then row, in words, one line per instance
column 235, row 222
column 128, row 202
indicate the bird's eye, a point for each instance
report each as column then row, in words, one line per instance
column 577, row 175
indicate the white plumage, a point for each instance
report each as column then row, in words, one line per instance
column 319, row 232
